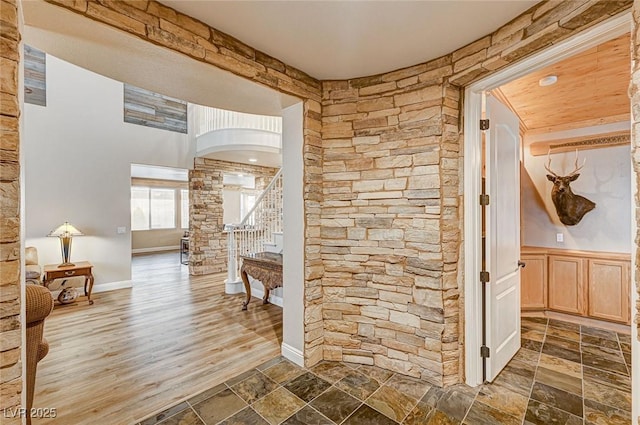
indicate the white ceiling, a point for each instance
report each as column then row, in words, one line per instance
column 347, row 39
column 123, row 57
column 326, row 39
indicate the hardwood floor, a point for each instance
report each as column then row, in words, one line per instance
column 137, row 351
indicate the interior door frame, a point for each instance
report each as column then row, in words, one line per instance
column 606, row 30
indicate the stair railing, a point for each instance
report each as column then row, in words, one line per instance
column 256, row 228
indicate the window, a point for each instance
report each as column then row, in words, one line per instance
column 163, row 208
column 184, row 208
column 247, row 201
column 154, row 208
column 140, row 208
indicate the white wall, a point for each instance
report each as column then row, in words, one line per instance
column 231, row 206
column 293, row 216
column 605, row 180
column 156, row 240
column 78, row 153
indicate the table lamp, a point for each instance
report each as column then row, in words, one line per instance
column 65, row 232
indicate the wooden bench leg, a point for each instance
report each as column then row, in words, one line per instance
column 247, row 287
column 265, row 299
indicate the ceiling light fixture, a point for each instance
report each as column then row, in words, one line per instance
column 548, row 80
column 253, row 160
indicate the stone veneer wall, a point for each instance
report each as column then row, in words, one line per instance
column 207, row 242
column 10, row 327
column 634, row 94
column 410, row 116
column 390, row 223
column 391, row 219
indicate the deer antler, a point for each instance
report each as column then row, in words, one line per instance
column 576, row 168
column 548, row 165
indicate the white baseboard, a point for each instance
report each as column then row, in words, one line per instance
column 104, row 287
column 112, row 286
column 259, row 293
column 293, row 354
column 257, row 290
column 231, row 288
column 156, row 249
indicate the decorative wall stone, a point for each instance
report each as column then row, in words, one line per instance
column 382, row 158
column 10, row 327
column 207, row 241
column 541, row 26
column 391, row 219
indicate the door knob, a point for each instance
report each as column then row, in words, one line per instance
column 522, row 264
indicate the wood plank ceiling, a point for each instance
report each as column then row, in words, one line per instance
column 591, row 90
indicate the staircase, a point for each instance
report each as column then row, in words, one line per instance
column 260, row 230
column 277, row 245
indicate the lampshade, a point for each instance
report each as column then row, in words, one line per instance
column 65, row 229
column 65, row 232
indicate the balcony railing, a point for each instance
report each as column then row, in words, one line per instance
column 211, row 119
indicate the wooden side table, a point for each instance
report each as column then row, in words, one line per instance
column 265, row 267
column 81, row 268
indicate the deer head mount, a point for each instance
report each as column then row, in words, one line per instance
column 569, row 206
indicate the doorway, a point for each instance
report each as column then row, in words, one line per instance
column 248, row 347
column 159, row 209
column 473, row 165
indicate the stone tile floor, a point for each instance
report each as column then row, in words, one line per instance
column 564, row 374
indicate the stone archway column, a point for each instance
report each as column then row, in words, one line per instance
column 10, row 269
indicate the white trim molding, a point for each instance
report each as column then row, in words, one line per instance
column 235, row 287
column 155, row 249
column 293, row 354
column 112, row 286
column 103, row 287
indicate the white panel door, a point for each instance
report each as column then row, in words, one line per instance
column 503, row 236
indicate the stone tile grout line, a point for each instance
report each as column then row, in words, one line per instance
column 535, row 372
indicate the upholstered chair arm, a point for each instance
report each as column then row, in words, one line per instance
column 40, row 303
column 43, row 349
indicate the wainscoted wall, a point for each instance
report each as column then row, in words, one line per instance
column 207, row 241
column 406, row 126
column 10, row 260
